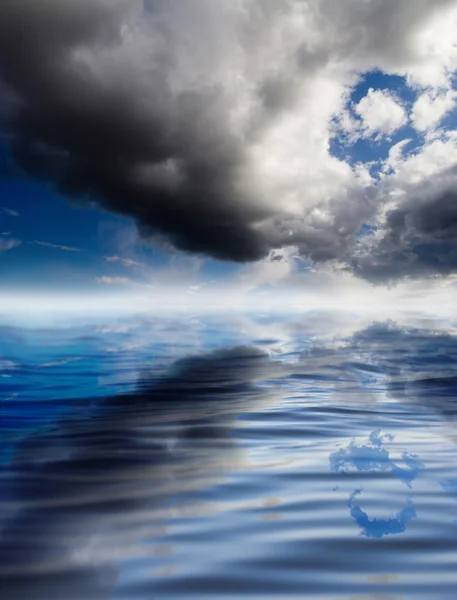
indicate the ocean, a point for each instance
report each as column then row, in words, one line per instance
column 188, row 456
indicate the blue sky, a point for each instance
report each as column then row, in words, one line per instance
column 71, row 245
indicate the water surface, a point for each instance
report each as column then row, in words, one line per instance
column 242, row 456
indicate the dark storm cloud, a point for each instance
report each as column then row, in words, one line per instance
column 418, row 237
column 168, row 160
column 158, row 111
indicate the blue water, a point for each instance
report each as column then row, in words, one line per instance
column 200, row 456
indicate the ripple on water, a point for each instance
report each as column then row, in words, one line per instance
column 228, row 472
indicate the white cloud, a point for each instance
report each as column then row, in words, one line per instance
column 430, row 108
column 271, row 271
column 380, row 112
column 193, row 289
column 348, row 127
column 104, row 279
column 433, row 158
column 124, row 328
column 58, row 247
column 125, row 261
column 432, row 41
column 126, row 348
column 57, row 363
column 9, row 244
column 395, row 158
column 7, row 365
column 10, row 212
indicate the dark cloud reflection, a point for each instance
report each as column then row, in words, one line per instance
column 83, row 495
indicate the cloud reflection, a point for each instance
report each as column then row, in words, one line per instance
column 84, row 495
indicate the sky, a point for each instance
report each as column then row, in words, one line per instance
column 210, row 150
